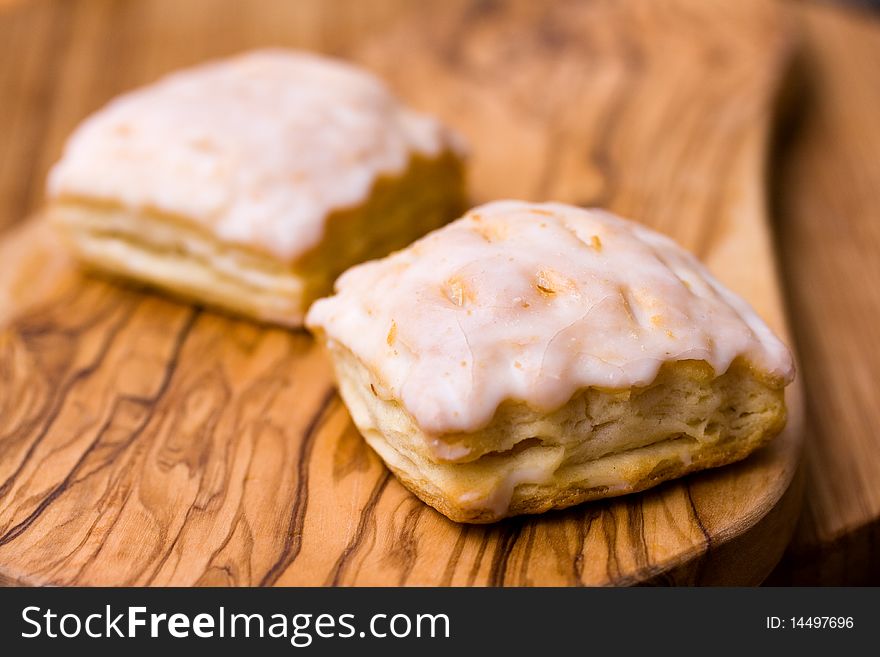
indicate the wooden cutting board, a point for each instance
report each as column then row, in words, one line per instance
column 144, row 441
column 828, row 178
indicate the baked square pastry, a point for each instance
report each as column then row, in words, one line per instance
column 529, row 357
column 251, row 183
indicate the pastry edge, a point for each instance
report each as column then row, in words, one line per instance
column 656, row 463
column 428, row 194
column 709, row 456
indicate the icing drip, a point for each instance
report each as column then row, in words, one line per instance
column 257, row 149
column 533, row 302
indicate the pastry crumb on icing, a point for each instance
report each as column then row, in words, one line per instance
column 561, row 299
column 258, row 149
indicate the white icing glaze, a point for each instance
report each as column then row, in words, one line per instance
column 533, row 302
column 258, row 149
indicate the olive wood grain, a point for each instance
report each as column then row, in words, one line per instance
column 147, row 442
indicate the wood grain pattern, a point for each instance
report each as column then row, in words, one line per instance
column 829, row 220
column 148, row 442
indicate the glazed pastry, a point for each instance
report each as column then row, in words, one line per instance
column 251, row 183
column 529, row 357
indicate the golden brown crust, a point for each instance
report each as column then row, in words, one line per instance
column 599, row 444
column 398, row 211
column 710, row 456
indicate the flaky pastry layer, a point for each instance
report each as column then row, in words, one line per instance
column 601, row 443
column 177, row 255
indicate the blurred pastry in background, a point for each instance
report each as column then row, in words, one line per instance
column 250, row 183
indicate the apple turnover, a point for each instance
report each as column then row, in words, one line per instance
column 530, row 357
column 249, row 184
